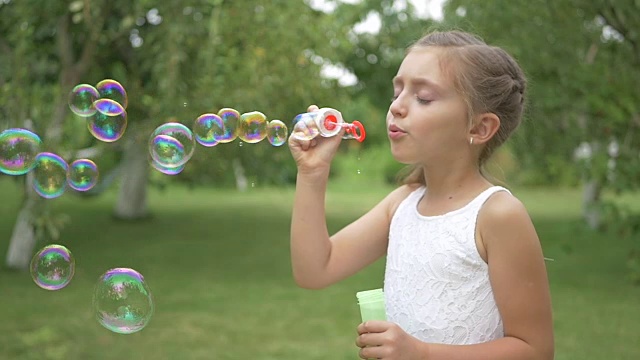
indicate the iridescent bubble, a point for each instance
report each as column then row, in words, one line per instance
column 305, row 127
column 107, row 128
column 82, row 175
column 229, row 131
column 122, row 301
column 108, row 107
column 252, row 127
column 172, row 144
column 167, row 170
column 277, row 132
column 52, row 267
column 111, row 89
column 204, row 127
column 18, row 150
column 167, row 151
column 50, row 175
column 81, row 100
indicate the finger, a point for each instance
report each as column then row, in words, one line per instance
column 305, row 144
column 312, row 108
column 374, row 352
column 374, row 326
column 298, row 143
column 370, row 339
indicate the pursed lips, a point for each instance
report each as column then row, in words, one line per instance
column 396, row 132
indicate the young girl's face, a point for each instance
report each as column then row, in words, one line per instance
column 427, row 120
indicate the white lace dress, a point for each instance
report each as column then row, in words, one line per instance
column 436, row 284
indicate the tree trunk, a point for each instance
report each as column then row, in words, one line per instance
column 238, row 171
column 23, row 239
column 590, row 202
column 132, row 198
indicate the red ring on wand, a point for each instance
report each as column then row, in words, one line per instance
column 360, row 134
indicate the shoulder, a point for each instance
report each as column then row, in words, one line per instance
column 502, row 206
column 504, row 218
column 397, row 196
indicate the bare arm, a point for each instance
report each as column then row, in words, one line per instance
column 319, row 260
column 520, row 287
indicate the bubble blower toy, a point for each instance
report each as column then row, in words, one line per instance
column 326, row 122
column 372, row 304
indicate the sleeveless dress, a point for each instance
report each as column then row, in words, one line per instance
column 436, row 284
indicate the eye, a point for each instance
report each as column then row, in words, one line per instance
column 423, row 101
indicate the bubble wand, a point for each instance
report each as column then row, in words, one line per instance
column 326, row 122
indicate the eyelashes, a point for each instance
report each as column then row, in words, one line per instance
column 420, row 100
column 423, row 101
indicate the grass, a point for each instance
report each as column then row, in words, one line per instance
column 217, row 262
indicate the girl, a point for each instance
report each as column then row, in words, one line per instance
column 465, row 276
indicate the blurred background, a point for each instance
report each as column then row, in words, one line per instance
column 212, row 241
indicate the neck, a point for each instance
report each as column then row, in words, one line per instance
column 451, row 183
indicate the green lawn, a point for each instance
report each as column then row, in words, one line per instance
column 217, row 262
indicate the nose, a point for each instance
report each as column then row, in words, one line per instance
column 397, row 107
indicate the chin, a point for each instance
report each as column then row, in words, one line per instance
column 401, row 158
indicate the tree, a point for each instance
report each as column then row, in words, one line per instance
column 176, row 62
column 574, row 60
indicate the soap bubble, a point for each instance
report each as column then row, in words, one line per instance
column 172, row 144
column 107, row 128
column 204, row 127
column 111, row 89
column 82, row 175
column 277, row 132
column 81, row 100
column 229, row 130
column 122, row 301
column 252, row 127
column 167, row 170
column 167, row 151
column 305, row 127
column 50, row 175
column 18, row 150
column 52, row 267
column 108, row 107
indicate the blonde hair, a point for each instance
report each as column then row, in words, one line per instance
column 489, row 80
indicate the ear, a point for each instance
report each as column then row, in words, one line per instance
column 483, row 128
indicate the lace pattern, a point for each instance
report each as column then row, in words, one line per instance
column 436, row 284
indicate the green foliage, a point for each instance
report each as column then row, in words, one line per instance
column 375, row 58
column 177, row 61
column 573, row 57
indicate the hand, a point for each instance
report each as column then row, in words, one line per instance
column 386, row 340
column 314, row 156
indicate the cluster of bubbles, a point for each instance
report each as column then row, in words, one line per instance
column 20, row 153
column 104, row 106
column 122, row 301
column 172, row 145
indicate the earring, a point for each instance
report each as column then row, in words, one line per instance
column 471, row 141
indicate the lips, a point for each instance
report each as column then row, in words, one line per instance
column 395, row 132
